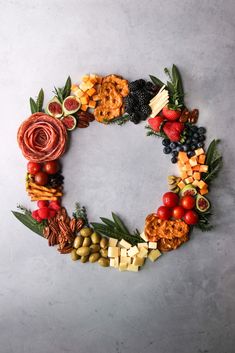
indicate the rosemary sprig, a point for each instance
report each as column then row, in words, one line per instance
column 81, row 212
column 116, row 228
column 118, row 121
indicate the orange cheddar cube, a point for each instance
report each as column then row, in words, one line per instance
column 190, row 172
column 85, row 78
column 203, row 191
column 182, row 156
column 91, row 91
column 78, row 93
column 96, row 97
column 84, row 107
column 74, row 87
column 203, row 168
column 196, row 168
column 201, row 158
column 92, row 104
column 197, row 175
column 84, row 99
column 183, row 175
column 193, row 161
column 202, row 184
column 199, row 151
column 189, row 180
column 181, row 184
column 195, row 183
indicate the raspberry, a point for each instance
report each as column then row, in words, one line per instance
column 55, row 205
column 44, row 212
column 36, row 216
column 42, row 203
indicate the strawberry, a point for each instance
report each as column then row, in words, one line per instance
column 44, row 212
column 173, row 130
column 156, row 123
column 42, row 203
column 35, row 216
column 171, row 114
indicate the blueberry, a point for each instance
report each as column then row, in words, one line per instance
column 173, row 145
column 194, row 128
column 166, row 142
column 195, row 135
column 193, row 146
column 185, row 148
column 167, row 150
column 201, row 138
column 179, row 148
column 202, row 130
column 174, row 153
column 200, row 144
column 174, row 160
column 190, row 154
column 194, row 140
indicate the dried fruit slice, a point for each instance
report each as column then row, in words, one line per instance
column 202, row 203
column 54, row 108
column 189, row 190
column 71, row 104
column 69, row 122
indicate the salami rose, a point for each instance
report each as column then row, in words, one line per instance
column 42, row 138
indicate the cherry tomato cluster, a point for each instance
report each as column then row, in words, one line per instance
column 178, row 208
column 46, row 210
column 41, row 171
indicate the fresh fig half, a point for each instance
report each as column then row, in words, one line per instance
column 69, row 122
column 202, row 203
column 189, row 190
column 71, row 104
column 54, row 108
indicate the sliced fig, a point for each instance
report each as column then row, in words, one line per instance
column 71, row 104
column 202, row 203
column 54, row 108
column 189, row 190
column 69, row 122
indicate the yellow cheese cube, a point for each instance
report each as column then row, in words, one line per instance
column 142, row 245
column 190, row 172
column 143, row 252
column 133, row 251
column 199, row 151
column 197, row 175
column 92, row 104
column 203, row 168
column 126, row 259
column 202, row 184
column 125, row 244
column 85, row 78
column 144, row 237
column 91, row 91
column 193, row 161
column 132, row 268
column 113, row 251
column 84, row 99
column 189, row 180
column 183, row 174
column 113, row 242
column 153, row 255
column 203, row 191
column 114, row 262
column 181, row 184
column 195, row 183
column 122, row 267
column 138, row 261
column 123, row 252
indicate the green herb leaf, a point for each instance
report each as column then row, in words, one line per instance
column 119, row 121
column 40, row 99
column 119, row 224
column 177, row 79
column 107, row 221
column 156, row 81
column 33, row 106
column 29, row 222
column 214, row 161
column 67, row 88
column 59, row 94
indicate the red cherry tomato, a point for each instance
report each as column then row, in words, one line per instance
column 178, row 212
column 191, row 217
column 170, row 199
column 187, row 202
column 164, row 213
column 51, row 167
column 33, row 167
column 41, row 178
column 171, row 114
column 42, row 203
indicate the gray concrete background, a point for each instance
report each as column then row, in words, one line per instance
column 184, row 303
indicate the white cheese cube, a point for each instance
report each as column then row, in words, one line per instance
column 132, row 268
column 142, row 245
column 112, row 242
column 113, row 251
column 153, row 255
column 123, row 252
column 152, row 245
column 125, row 244
column 133, row 251
column 143, row 236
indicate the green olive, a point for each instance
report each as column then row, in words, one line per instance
column 95, row 238
column 95, row 248
column 86, row 232
column 77, row 242
column 86, row 241
column 83, row 251
column 74, row 255
column 104, row 252
column 84, row 259
column 103, row 262
column 94, row 257
column 104, row 243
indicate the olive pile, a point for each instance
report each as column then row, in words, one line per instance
column 90, row 246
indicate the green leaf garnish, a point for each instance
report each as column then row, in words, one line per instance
column 40, row 99
column 28, row 221
column 33, row 106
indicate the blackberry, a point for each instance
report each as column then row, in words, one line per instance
column 143, row 97
column 137, row 84
column 145, row 111
column 56, row 180
column 129, row 101
column 135, row 118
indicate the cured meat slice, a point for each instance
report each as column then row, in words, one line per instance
column 42, row 138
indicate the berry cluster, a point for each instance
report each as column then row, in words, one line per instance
column 137, row 102
column 193, row 137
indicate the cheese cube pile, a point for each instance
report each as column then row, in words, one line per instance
column 87, row 91
column 126, row 257
column 191, row 169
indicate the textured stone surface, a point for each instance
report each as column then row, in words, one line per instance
column 185, row 301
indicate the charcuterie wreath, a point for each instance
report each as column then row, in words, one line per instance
column 43, row 138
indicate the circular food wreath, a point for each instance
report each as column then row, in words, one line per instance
column 43, row 138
